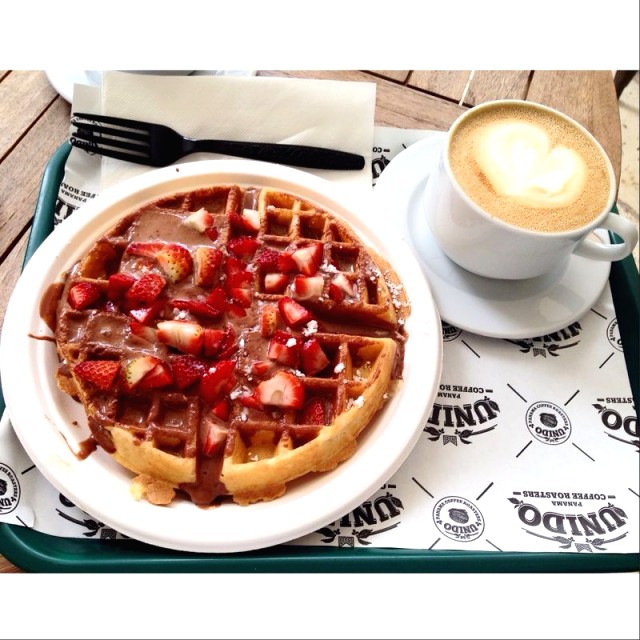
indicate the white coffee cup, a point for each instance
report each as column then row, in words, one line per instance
column 529, row 166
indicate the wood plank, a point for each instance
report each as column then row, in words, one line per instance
column 398, row 76
column 33, row 93
column 496, row 85
column 10, row 271
column 396, row 106
column 590, row 98
column 448, row 84
column 22, row 171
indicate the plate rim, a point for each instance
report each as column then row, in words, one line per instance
column 136, row 190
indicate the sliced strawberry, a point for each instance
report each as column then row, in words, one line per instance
column 282, row 390
column 119, row 284
column 293, row 313
column 101, row 373
column 187, row 369
column 218, row 380
column 142, row 331
column 284, row 348
column 314, row 359
column 236, row 310
column 341, row 285
column 269, row 320
column 146, row 289
column 308, row 258
column 239, row 279
column 218, row 299
column 313, row 412
column 229, row 345
column 146, row 249
column 206, row 263
column 213, row 340
column 199, row 220
column 146, row 315
column 308, row 287
column 275, row 282
column 198, row 308
column 267, row 260
column 286, row 263
column 160, row 376
column 233, row 265
column 184, row 336
column 222, row 409
column 84, row 295
column 243, row 246
column 261, row 367
column 134, row 370
column 251, row 401
column 214, row 439
column 175, row 261
column 212, row 233
column 243, row 297
column 251, row 219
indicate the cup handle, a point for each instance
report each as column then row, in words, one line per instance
column 612, row 252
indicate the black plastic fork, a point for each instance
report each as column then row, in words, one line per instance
column 157, row 145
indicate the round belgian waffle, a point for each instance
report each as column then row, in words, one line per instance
column 229, row 340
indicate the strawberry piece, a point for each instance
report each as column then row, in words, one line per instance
column 206, row 262
column 218, row 299
column 146, row 289
column 284, row 348
column 251, row 219
column 187, row 369
column 314, row 359
column 217, row 381
column 134, row 370
column 119, row 284
column 313, row 412
column 282, row 390
column 175, row 261
column 214, row 438
column 261, row 367
column 269, row 320
column 146, row 315
column 146, row 249
column 142, row 331
column 101, row 373
column 233, row 265
column 293, row 313
column 251, row 401
column 213, row 340
column 275, row 282
column 184, row 336
column 229, row 345
column 267, row 260
column 160, row 376
column 243, row 297
column 199, row 220
column 212, row 233
column 222, row 409
column 198, row 308
column 243, row 246
column 308, row 258
column 341, row 285
column 239, row 279
column 286, row 263
column 84, row 295
column 308, row 287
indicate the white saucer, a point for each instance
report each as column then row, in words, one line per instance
column 494, row 308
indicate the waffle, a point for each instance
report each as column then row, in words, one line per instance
column 228, row 341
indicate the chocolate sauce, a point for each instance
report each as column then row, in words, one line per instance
column 49, row 304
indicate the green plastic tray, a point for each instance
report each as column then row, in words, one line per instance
column 34, row 551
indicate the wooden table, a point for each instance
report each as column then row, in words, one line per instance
column 35, row 122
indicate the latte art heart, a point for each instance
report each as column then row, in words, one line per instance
column 521, row 162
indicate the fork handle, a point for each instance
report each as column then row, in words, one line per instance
column 292, row 154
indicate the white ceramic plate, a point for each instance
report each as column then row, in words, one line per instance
column 49, row 424
column 495, row 308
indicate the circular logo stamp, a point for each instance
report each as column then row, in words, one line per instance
column 9, row 489
column 449, row 332
column 548, row 423
column 613, row 335
column 458, row 519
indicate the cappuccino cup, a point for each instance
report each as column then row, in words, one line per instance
column 520, row 187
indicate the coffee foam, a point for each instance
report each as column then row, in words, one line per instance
column 530, row 168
